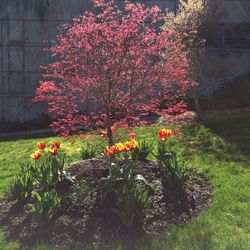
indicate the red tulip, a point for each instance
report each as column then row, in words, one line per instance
column 164, row 133
column 41, row 145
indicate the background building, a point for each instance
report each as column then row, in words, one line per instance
column 27, row 27
column 228, row 46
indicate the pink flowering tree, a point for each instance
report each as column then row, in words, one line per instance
column 119, row 63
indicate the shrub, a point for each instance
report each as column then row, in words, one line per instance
column 50, row 172
column 45, row 206
column 122, row 174
column 39, row 180
column 131, row 200
column 49, row 166
column 143, row 150
column 88, row 151
column 132, row 203
column 203, row 136
column 23, row 183
column 174, row 169
column 193, row 19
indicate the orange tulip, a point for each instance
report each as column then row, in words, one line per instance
column 127, row 145
column 164, row 133
column 119, row 147
column 109, row 151
column 36, row 155
column 132, row 135
column 54, row 151
column 41, row 145
column 55, row 145
column 133, row 144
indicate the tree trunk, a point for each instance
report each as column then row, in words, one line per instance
column 110, row 134
column 109, row 129
column 196, row 76
column 196, row 100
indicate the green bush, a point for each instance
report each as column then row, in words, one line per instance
column 88, row 151
column 121, row 175
column 45, row 206
column 198, row 133
column 143, row 150
column 132, row 201
column 50, row 172
column 173, row 168
column 37, row 183
column 23, row 183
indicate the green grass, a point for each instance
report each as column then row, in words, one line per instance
column 222, row 158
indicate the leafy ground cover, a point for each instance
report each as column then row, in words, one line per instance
column 223, row 158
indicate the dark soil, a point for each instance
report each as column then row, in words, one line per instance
column 85, row 216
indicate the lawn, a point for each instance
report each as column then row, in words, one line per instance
column 221, row 152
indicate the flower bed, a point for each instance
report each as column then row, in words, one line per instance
column 120, row 196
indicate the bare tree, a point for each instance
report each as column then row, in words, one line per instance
column 193, row 19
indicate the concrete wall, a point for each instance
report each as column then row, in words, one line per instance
column 27, row 27
column 228, row 51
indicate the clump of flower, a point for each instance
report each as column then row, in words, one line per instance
column 120, row 147
column 53, row 150
column 164, row 133
column 174, row 169
column 35, row 185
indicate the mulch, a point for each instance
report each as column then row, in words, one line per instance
column 85, row 216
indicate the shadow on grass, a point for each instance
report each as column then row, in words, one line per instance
column 223, row 140
column 235, row 131
column 24, row 137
